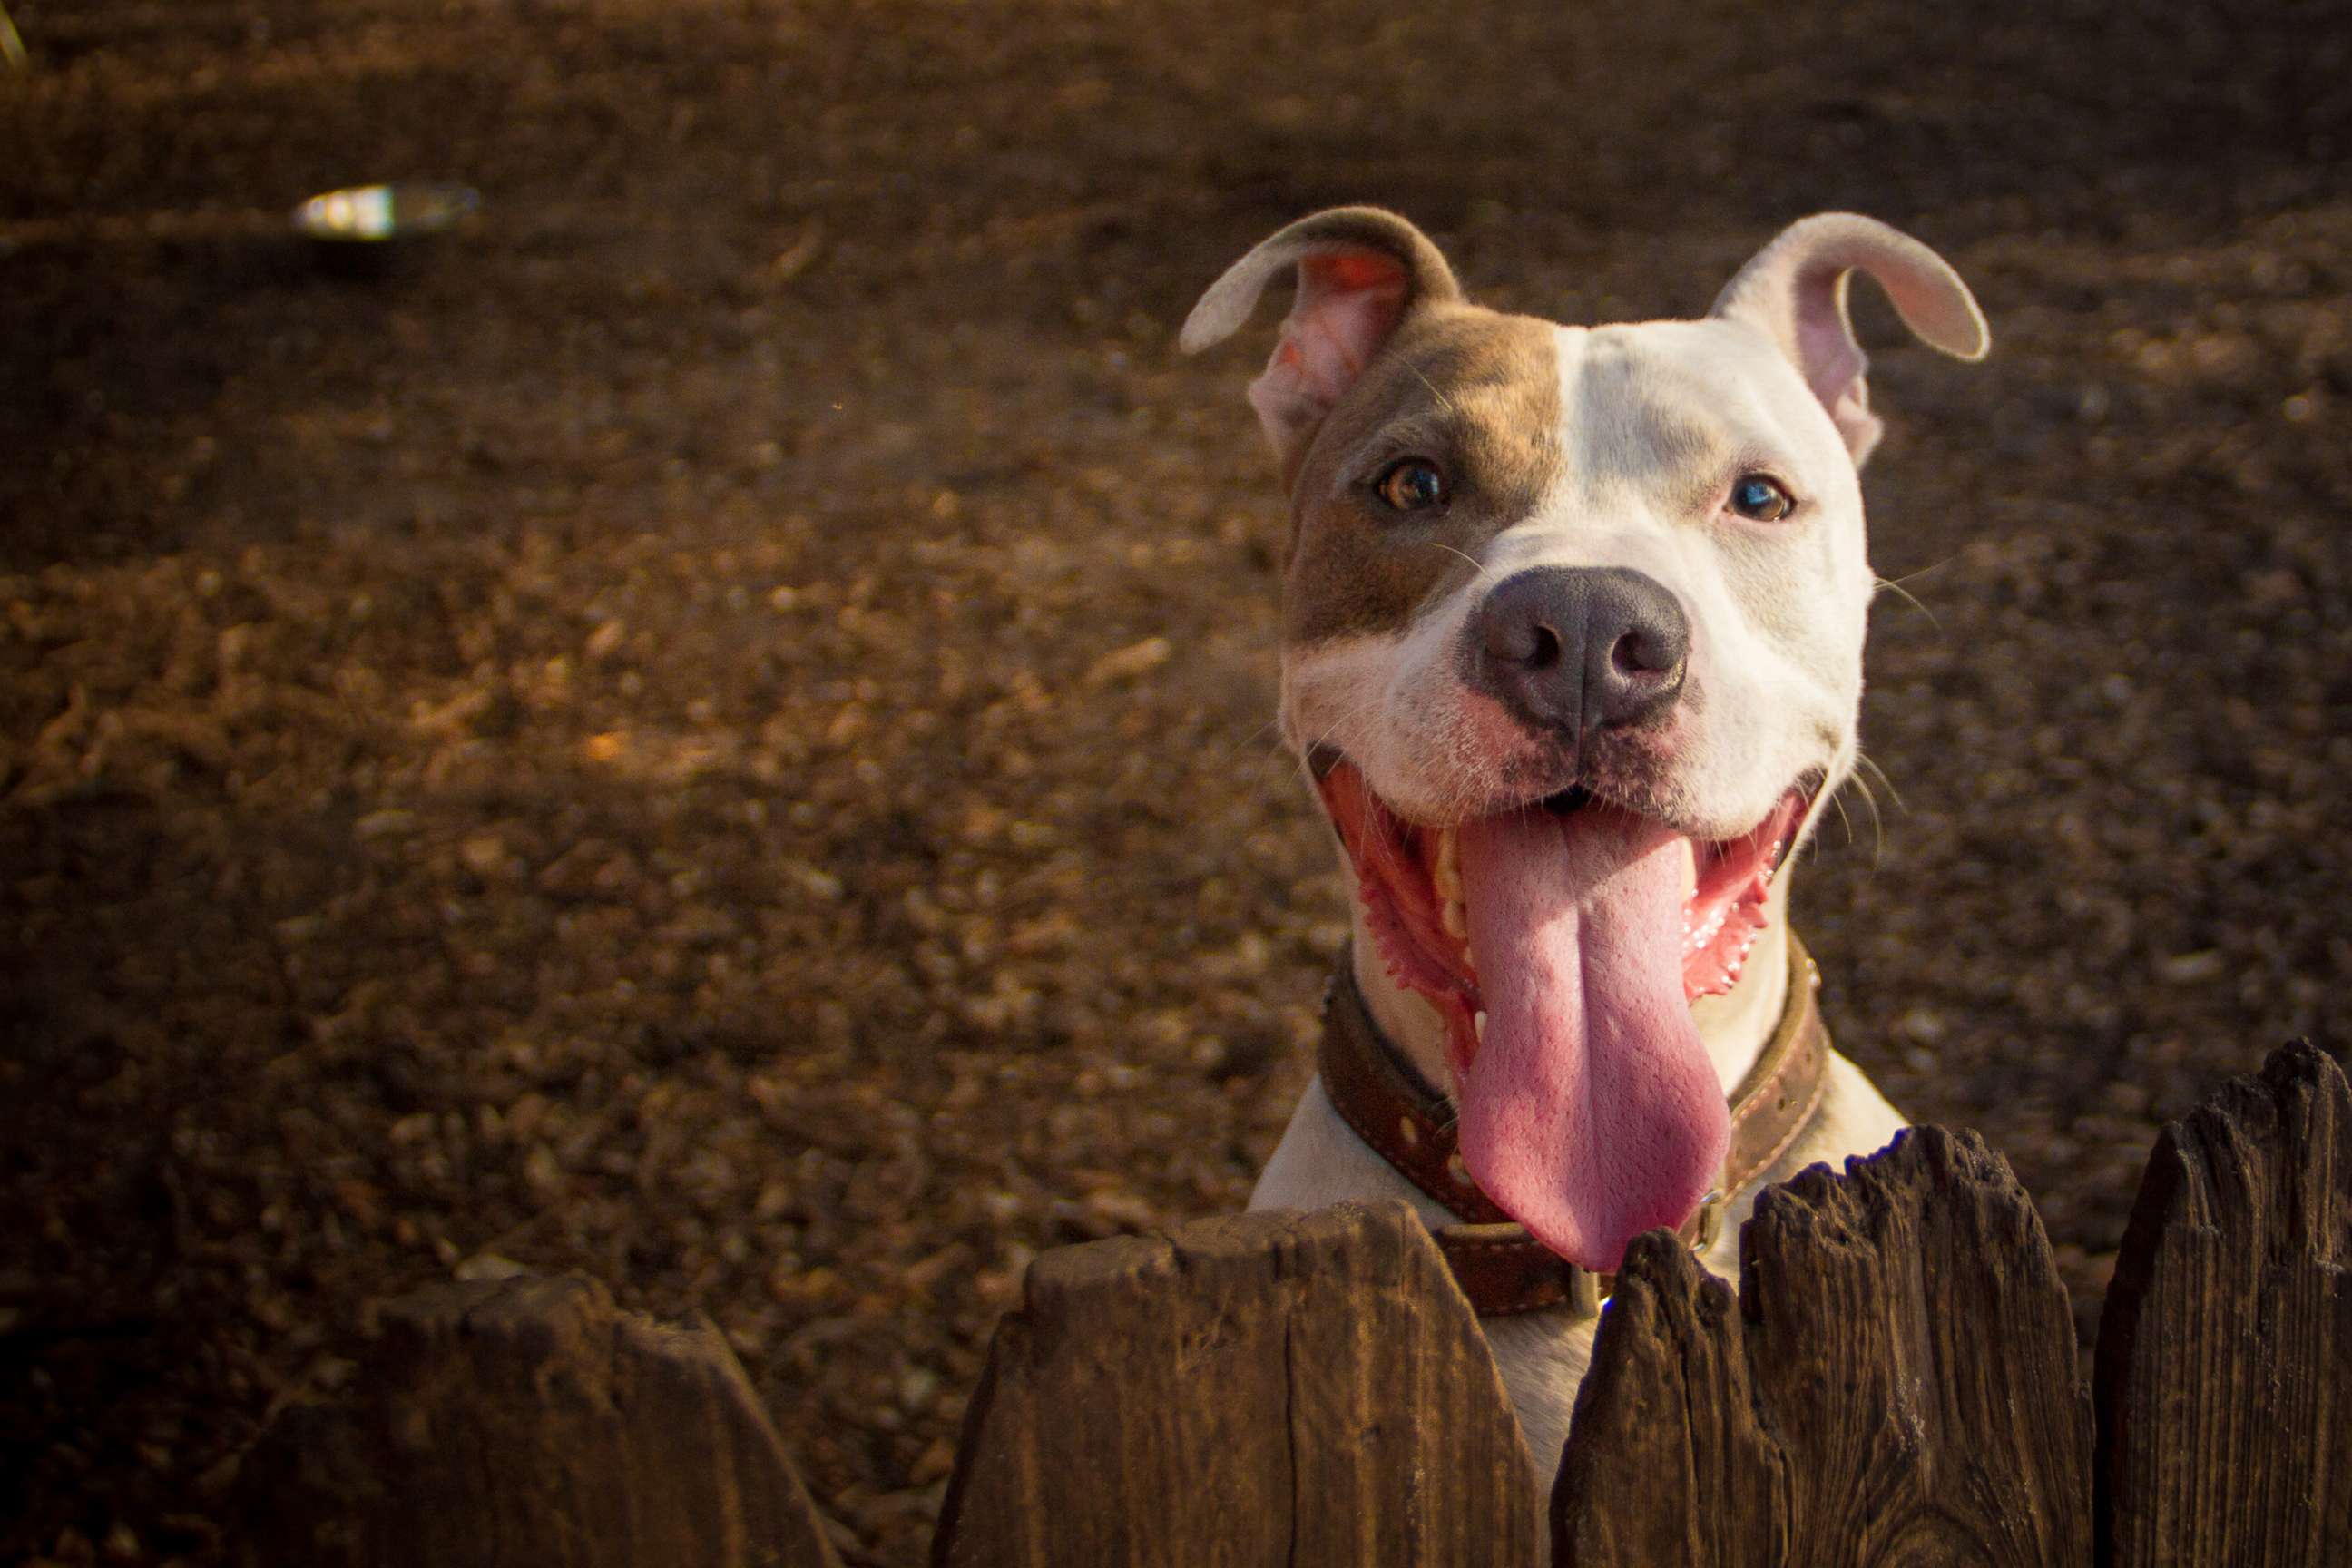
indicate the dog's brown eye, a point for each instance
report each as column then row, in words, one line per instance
column 1412, row 485
column 1762, row 499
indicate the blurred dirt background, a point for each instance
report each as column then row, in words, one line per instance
column 713, row 727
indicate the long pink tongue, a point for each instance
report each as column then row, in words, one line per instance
column 1590, row 1113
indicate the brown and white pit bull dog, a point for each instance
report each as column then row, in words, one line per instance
column 1572, row 635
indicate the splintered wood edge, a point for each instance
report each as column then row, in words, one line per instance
column 2249, row 1112
column 1290, row 1243
column 1668, row 1356
column 2195, row 1188
column 1379, row 1247
column 2177, row 1189
column 1671, row 1331
column 434, row 1349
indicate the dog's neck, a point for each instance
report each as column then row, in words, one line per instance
column 1734, row 1025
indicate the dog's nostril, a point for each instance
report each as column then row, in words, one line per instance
column 1638, row 653
column 1519, row 641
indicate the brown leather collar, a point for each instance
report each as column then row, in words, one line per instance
column 1499, row 1266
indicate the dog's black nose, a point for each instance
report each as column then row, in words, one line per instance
column 1576, row 649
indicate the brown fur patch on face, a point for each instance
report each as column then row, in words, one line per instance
column 1471, row 390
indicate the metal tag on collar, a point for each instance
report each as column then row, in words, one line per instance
column 1706, row 1225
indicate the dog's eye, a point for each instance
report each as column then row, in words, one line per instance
column 1762, row 499
column 1411, row 485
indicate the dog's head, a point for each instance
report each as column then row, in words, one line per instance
column 1573, row 624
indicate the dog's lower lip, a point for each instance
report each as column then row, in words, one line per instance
column 1808, row 789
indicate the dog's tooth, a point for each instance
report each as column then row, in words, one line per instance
column 1446, row 872
column 1690, row 869
column 1456, row 919
column 1478, row 1025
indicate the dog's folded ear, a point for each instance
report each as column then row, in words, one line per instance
column 1361, row 269
column 1795, row 293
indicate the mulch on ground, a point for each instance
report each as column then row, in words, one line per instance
column 713, row 727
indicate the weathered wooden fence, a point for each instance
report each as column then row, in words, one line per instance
column 1896, row 1383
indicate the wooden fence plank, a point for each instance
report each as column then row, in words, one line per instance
column 2225, row 1352
column 1896, row 1383
column 527, row 1424
column 1270, row 1388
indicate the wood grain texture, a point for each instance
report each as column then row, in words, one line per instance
column 1895, row 1384
column 2225, row 1391
column 1270, row 1388
column 527, row 1424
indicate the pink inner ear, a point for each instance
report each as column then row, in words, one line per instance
column 1352, row 269
column 1826, row 351
column 1348, row 303
column 1832, row 362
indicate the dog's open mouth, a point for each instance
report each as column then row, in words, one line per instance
column 1563, row 941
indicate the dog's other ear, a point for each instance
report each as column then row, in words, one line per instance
column 1795, row 289
column 1361, row 269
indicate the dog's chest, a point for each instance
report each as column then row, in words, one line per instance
column 1542, row 1357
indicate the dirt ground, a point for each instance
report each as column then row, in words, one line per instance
column 712, row 728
